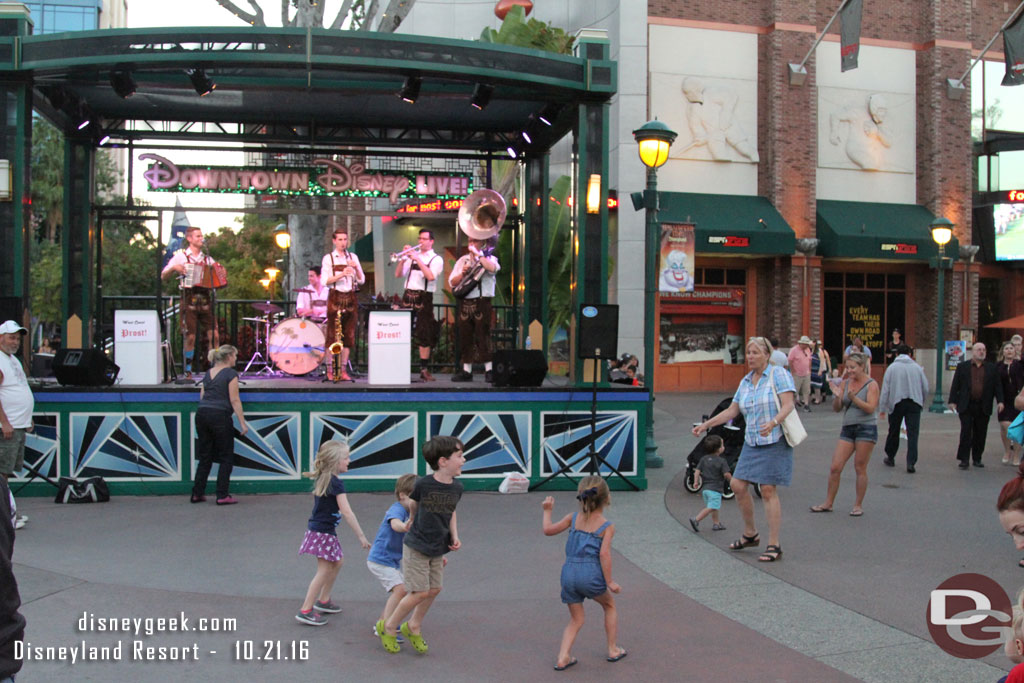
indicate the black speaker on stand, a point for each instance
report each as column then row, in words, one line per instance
column 84, row 367
column 597, row 333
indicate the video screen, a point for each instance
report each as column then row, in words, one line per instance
column 1008, row 220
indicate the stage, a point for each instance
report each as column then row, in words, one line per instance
column 141, row 438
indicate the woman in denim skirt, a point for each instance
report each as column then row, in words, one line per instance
column 766, row 458
column 856, row 394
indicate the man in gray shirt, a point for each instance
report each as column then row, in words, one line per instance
column 904, row 388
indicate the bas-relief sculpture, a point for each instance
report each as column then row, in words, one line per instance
column 714, row 111
column 865, row 131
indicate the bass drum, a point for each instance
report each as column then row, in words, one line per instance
column 296, row 346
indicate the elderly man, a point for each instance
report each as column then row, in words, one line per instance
column 16, row 404
column 904, row 391
column 975, row 384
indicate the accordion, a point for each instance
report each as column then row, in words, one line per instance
column 205, row 276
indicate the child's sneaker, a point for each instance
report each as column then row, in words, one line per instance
column 718, row 527
column 695, row 524
column 326, row 607
column 312, row 617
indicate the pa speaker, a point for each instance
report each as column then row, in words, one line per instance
column 519, row 368
column 84, row 367
column 598, row 331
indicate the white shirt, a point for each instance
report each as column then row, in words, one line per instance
column 15, row 395
column 487, row 282
column 183, row 256
column 415, row 279
column 345, row 284
column 305, row 300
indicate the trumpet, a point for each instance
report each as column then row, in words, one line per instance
column 405, row 252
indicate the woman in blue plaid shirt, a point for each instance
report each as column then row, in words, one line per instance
column 766, row 458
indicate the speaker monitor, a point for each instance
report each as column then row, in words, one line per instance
column 519, row 368
column 598, row 331
column 84, row 367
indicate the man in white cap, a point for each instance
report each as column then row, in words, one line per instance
column 16, row 404
column 800, row 367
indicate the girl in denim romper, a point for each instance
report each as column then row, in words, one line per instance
column 587, row 572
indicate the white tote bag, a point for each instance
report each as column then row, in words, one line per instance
column 792, row 428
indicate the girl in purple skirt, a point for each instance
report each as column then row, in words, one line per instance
column 330, row 504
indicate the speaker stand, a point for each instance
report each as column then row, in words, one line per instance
column 35, row 473
column 593, row 467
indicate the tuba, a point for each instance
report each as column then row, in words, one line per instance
column 480, row 217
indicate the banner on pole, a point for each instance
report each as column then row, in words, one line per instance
column 1013, row 48
column 849, row 33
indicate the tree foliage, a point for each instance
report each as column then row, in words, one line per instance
column 244, row 254
column 353, row 14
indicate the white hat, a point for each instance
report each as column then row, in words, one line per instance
column 805, row 340
column 10, row 327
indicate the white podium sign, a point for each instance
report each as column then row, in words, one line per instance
column 137, row 347
column 389, row 338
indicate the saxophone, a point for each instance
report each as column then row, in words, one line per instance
column 335, row 348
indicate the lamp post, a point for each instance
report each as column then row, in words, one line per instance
column 942, row 232
column 653, row 140
column 283, row 240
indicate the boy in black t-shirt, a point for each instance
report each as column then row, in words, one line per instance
column 713, row 471
column 433, row 533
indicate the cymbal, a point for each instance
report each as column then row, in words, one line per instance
column 307, row 290
column 256, row 320
column 267, row 307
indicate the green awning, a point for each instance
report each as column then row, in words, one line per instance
column 729, row 224
column 364, row 248
column 871, row 230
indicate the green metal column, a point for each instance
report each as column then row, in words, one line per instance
column 532, row 300
column 78, row 240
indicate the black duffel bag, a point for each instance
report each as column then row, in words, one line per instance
column 89, row 490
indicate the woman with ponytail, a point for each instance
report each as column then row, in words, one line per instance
column 215, row 434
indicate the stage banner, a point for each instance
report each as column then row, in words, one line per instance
column 849, row 33
column 677, row 259
column 1013, row 49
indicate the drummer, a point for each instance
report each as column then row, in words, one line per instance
column 312, row 300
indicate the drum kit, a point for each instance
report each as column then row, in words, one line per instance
column 295, row 346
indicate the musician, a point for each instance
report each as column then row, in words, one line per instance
column 312, row 301
column 341, row 274
column 196, row 302
column 474, row 310
column 420, row 271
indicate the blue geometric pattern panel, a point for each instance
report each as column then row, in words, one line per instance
column 268, row 451
column 41, row 447
column 494, row 443
column 566, row 439
column 381, row 445
column 125, row 446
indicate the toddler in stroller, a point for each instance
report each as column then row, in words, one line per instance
column 731, row 434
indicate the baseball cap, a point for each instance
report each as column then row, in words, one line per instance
column 11, row 327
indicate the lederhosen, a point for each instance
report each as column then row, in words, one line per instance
column 344, row 302
column 474, row 327
column 196, row 303
column 424, row 327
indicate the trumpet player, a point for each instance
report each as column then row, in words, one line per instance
column 420, row 270
column 474, row 310
column 341, row 273
column 196, row 302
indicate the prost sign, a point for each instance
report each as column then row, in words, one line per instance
column 331, row 178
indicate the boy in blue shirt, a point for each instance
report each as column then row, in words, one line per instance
column 385, row 558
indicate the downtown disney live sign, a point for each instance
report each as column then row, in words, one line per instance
column 327, row 178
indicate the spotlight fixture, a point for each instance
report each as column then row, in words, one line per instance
column 104, row 140
column 512, row 151
column 481, row 96
column 410, row 90
column 200, row 81
column 526, row 136
column 123, row 83
column 84, row 117
column 549, row 113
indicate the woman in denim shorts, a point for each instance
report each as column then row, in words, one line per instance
column 856, row 394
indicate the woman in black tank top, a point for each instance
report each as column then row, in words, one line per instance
column 215, row 433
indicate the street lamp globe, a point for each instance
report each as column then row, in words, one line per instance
column 942, row 231
column 283, row 239
column 653, row 140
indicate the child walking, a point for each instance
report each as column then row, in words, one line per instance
column 330, row 504
column 433, row 533
column 587, row 572
column 385, row 559
column 713, row 471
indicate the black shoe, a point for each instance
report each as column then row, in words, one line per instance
column 889, row 462
column 963, row 466
column 807, row 408
column 488, row 377
column 462, row 376
column 979, row 464
column 910, row 468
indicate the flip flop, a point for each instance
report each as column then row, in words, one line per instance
column 572, row 662
column 856, row 513
column 820, row 508
column 617, row 657
column 415, row 639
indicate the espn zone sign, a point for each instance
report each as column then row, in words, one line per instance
column 899, row 248
column 729, row 240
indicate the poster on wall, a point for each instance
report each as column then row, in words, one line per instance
column 956, row 351
column 698, row 338
column 676, row 262
column 865, row 311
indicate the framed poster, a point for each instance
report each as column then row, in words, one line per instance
column 967, row 335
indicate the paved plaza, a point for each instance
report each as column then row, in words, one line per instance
column 846, row 602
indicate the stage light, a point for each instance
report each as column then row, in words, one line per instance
column 526, row 136
column 123, row 83
column 511, row 151
column 481, row 96
column 410, row 90
column 201, row 82
column 104, row 140
column 594, row 193
column 549, row 113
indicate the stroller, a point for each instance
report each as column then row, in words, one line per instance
column 732, row 438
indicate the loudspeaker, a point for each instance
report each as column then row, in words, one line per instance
column 519, row 368
column 84, row 367
column 598, row 331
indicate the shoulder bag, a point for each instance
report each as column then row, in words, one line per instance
column 792, row 428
